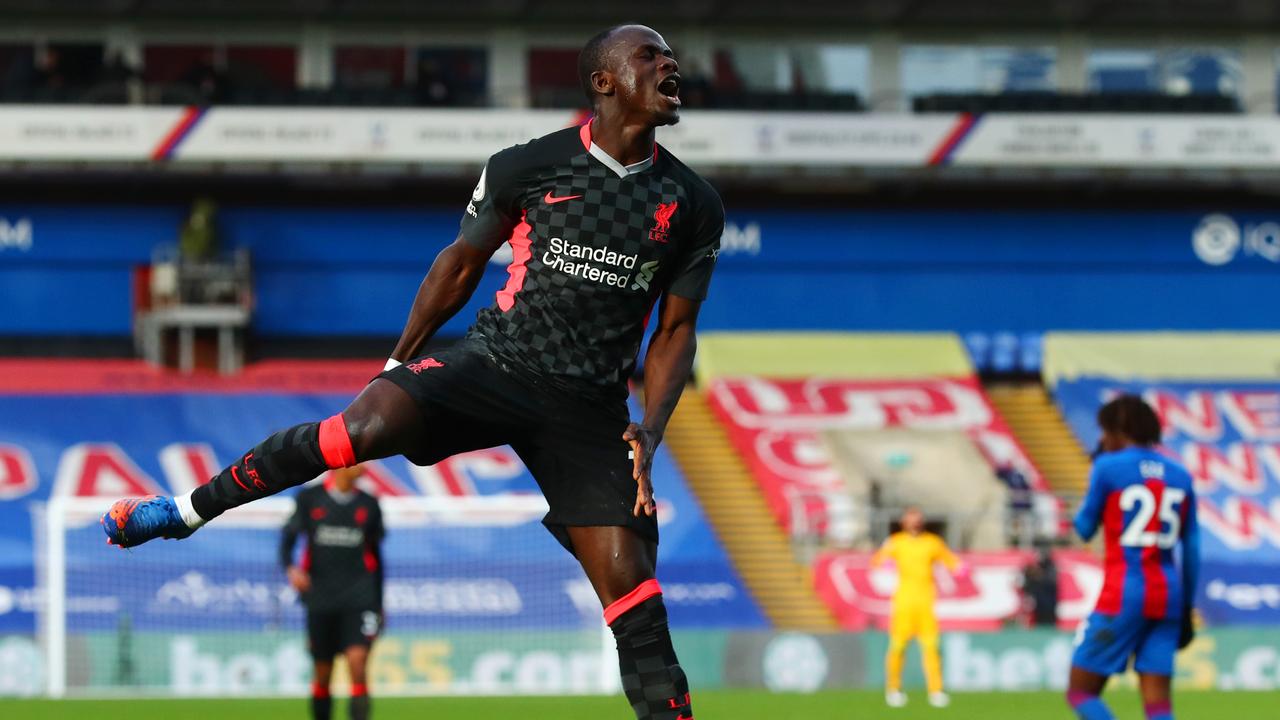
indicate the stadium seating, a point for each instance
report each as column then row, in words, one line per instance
column 454, row 578
column 920, row 198
column 835, row 426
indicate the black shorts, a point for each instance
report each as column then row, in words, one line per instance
column 570, row 441
column 330, row 632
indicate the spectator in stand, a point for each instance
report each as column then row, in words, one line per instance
column 118, row 81
column 51, row 73
column 21, row 77
column 695, row 87
column 206, row 80
column 1040, row 587
column 434, row 89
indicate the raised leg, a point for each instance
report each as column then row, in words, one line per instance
column 382, row 421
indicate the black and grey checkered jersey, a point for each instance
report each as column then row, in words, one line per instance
column 594, row 246
column 343, row 552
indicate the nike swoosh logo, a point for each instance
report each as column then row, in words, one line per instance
column 553, row 200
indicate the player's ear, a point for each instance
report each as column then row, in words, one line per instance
column 602, row 82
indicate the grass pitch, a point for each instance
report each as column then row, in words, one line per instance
column 721, row 705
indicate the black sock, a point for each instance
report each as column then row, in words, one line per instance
column 321, row 707
column 652, row 679
column 359, row 707
column 287, row 458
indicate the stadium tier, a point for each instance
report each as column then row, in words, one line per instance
column 70, row 269
column 838, row 448
column 479, row 597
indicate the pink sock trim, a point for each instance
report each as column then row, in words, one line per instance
column 335, row 443
column 1160, row 708
column 643, row 591
column 1075, row 698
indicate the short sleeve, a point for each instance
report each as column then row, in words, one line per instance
column 693, row 272
column 492, row 213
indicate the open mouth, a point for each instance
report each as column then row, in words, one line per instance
column 670, row 88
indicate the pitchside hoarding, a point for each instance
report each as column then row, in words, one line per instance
column 276, row 663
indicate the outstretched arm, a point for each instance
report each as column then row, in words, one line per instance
column 666, row 370
column 448, row 286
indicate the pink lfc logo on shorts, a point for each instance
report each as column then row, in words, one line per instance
column 662, row 221
column 424, row 364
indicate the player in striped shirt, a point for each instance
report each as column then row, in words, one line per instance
column 1146, row 506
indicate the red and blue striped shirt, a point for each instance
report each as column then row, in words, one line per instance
column 1146, row 506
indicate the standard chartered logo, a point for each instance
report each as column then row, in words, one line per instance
column 584, row 262
column 646, row 275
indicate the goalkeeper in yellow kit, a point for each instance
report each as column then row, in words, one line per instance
column 914, row 551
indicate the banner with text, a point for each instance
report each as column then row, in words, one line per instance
column 718, row 138
column 486, row 572
column 985, row 598
column 276, row 663
column 776, row 425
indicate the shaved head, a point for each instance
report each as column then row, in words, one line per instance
column 629, row 72
column 595, row 57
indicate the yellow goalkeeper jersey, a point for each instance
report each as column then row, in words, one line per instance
column 915, row 555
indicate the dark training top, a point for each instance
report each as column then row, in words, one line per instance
column 594, row 245
column 342, row 551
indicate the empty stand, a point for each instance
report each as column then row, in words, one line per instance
column 731, row 498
